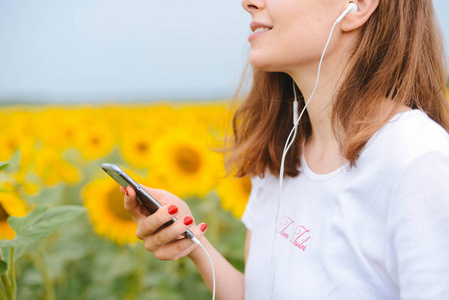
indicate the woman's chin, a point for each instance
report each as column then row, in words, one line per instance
column 261, row 65
column 263, row 62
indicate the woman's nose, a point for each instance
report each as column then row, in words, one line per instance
column 253, row 5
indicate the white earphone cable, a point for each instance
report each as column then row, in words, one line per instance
column 196, row 241
column 290, row 140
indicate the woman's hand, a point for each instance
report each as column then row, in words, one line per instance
column 168, row 243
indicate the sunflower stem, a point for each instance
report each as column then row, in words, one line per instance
column 136, row 286
column 4, row 283
column 2, row 288
column 12, row 273
column 40, row 264
column 141, row 254
column 2, row 295
column 6, row 287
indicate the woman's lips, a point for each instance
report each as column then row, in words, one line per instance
column 258, row 29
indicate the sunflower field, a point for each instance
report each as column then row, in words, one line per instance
column 53, row 175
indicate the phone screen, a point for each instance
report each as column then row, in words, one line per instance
column 147, row 201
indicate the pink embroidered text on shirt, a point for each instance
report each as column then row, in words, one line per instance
column 298, row 235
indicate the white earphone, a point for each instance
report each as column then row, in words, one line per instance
column 352, row 7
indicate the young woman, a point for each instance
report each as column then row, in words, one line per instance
column 363, row 212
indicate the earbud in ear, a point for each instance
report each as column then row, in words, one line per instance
column 352, row 7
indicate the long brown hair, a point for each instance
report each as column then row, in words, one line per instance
column 399, row 56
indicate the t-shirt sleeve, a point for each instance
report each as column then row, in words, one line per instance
column 417, row 255
column 250, row 210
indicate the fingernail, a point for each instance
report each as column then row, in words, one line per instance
column 188, row 220
column 172, row 209
column 126, row 192
column 203, row 227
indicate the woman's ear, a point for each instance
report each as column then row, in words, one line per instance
column 355, row 20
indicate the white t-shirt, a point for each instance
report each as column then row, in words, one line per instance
column 379, row 230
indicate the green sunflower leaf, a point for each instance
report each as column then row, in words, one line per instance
column 3, row 267
column 13, row 162
column 3, row 165
column 40, row 223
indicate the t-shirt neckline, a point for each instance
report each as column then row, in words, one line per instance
column 321, row 177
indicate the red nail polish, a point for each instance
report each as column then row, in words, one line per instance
column 203, row 227
column 126, row 192
column 172, row 209
column 188, row 220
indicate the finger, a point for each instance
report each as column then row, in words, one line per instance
column 180, row 247
column 168, row 234
column 162, row 196
column 174, row 250
column 152, row 223
column 133, row 206
column 201, row 230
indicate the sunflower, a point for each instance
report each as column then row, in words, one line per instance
column 212, row 118
column 234, row 193
column 12, row 140
column 52, row 168
column 184, row 162
column 60, row 129
column 136, row 147
column 95, row 141
column 141, row 126
column 205, row 113
column 19, row 120
column 26, row 182
column 10, row 205
column 110, row 219
column 9, row 143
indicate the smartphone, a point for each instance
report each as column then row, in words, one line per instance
column 144, row 198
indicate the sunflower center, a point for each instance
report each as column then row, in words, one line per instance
column 142, row 147
column 11, row 145
column 188, row 160
column 115, row 203
column 95, row 141
column 3, row 214
column 69, row 133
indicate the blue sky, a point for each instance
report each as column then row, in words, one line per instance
column 87, row 51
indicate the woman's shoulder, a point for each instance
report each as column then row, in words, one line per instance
column 267, row 179
column 414, row 132
column 409, row 135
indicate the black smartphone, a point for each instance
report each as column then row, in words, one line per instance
column 144, row 198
